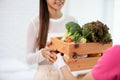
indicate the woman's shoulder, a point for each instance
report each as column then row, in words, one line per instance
column 34, row 24
column 114, row 49
column 35, row 19
column 117, row 47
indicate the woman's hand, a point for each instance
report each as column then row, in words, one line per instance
column 48, row 53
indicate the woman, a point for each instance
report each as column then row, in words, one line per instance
column 52, row 21
column 107, row 68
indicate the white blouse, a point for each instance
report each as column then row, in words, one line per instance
column 56, row 28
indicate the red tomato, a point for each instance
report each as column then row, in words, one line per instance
column 69, row 40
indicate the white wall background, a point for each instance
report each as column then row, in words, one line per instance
column 14, row 18
column 91, row 10
column 86, row 10
column 116, row 24
column 16, row 14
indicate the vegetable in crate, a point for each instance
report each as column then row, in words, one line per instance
column 96, row 32
column 73, row 33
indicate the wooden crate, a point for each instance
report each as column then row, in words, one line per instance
column 72, row 49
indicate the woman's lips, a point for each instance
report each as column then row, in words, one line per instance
column 59, row 2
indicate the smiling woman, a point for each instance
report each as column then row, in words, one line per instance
column 51, row 21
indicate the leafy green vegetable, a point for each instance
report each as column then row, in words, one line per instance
column 90, row 32
column 96, row 32
column 74, row 31
column 73, row 27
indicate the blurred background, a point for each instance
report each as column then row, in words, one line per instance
column 15, row 16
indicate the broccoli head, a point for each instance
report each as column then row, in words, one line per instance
column 73, row 27
column 74, row 32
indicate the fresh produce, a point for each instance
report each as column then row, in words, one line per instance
column 74, row 32
column 73, row 27
column 69, row 40
column 96, row 32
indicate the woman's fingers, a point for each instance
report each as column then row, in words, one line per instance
column 48, row 43
column 50, row 59
column 50, row 56
column 48, row 47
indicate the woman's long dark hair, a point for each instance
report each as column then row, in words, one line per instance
column 44, row 24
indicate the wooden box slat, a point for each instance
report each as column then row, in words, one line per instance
column 81, row 64
column 71, row 49
column 87, row 48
